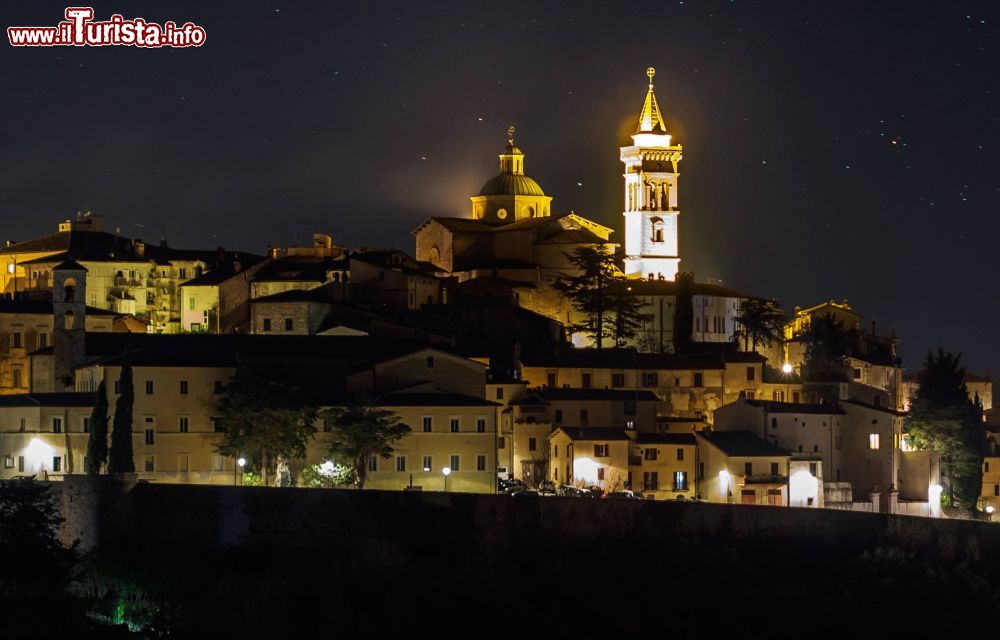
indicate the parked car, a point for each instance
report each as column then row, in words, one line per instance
column 507, row 484
column 547, row 488
column 624, row 495
column 512, row 489
column 503, row 473
column 525, row 493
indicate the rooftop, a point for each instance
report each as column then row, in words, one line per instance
column 587, row 434
column 743, row 444
column 47, row 400
column 771, row 406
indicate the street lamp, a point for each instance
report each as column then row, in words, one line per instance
column 989, row 512
column 724, row 481
column 447, row 472
column 240, row 463
column 786, row 368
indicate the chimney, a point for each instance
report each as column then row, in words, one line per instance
column 237, row 265
column 220, row 256
column 138, row 248
column 873, row 327
column 163, row 243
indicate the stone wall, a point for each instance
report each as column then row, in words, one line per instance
column 102, row 510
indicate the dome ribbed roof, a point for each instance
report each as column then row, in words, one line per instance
column 510, row 184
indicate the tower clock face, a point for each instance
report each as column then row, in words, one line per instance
column 502, row 214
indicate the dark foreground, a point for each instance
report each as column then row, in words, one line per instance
column 192, row 562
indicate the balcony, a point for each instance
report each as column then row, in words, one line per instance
column 763, row 478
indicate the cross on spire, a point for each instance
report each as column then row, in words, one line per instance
column 651, row 120
column 510, row 135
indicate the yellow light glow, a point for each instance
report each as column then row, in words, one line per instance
column 36, row 453
column 802, row 486
column 651, row 140
column 787, row 368
column 585, row 469
column 446, row 471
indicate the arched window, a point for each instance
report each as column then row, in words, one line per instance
column 434, row 255
column 657, row 228
column 69, row 320
column 529, row 212
column 69, row 289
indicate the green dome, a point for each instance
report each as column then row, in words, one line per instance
column 511, row 184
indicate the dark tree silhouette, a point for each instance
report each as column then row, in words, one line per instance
column 97, row 441
column 121, row 458
column 361, row 432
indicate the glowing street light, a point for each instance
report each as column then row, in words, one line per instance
column 989, row 511
column 447, row 472
column 724, row 482
column 238, row 471
column 787, row 368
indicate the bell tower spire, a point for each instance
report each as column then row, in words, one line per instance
column 651, row 213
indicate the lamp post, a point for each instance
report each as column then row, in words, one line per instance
column 989, row 512
column 786, row 371
column 238, row 471
column 447, row 472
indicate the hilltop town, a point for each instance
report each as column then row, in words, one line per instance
column 516, row 350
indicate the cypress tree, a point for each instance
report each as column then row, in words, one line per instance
column 121, row 458
column 97, row 443
column 684, row 313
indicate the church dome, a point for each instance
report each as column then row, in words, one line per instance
column 511, row 184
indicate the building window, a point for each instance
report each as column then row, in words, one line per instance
column 428, row 422
column 454, row 424
column 748, row 468
column 149, row 387
column 20, row 464
column 873, row 441
column 585, row 381
column 774, row 469
column 327, row 427
column 289, row 324
column 56, row 464
column 217, row 425
column 184, row 387
column 650, row 454
column 680, row 481
column 400, row 463
column 680, row 454
column 813, row 469
column 857, row 374
column 217, row 462
column 218, row 388
column 630, row 407
column 118, row 386
column 15, row 340
column 650, row 481
column 584, row 417
column 501, row 443
column 600, row 451
column 617, row 379
column 751, row 373
column 184, row 462
column 56, row 425
column 600, row 473
column 267, row 324
column 43, row 340
column 558, row 418
column 480, row 462
column 428, row 463
column 532, row 444
column 455, row 462
column 8, row 462
column 649, row 379
column 555, row 450
column 499, row 393
column 430, row 362
column 16, row 373
column 373, row 463
column 182, row 424
column 149, row 464
column 150, row 436
column 699, row 380
column 550, row 379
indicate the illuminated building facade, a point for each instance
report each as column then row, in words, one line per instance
column 651, row 213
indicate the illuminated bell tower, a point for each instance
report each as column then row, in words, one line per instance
column 651, row 249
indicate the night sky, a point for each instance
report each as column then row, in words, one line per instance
column 832, row 149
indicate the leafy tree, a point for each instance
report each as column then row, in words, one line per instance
column 97, row 441
column 942, row 418
column 36, row 568
column 760, row 323
column 265, row 418
column 684, row 313
column 828, row 344
column 625, row 310
column 362, row 431
column 589, row 290
column 121, row 458
column 328, row 475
